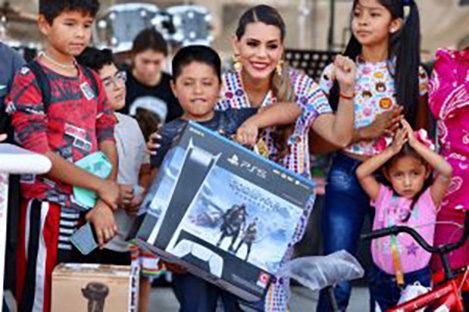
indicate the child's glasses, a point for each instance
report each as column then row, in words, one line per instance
column 119, row 77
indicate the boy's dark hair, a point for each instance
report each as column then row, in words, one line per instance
column 53, row 8
column 149, row 39
column 95, row 59
column 404, row 46
column 405, row 151
column 199, row 54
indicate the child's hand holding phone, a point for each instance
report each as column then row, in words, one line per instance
column 102, row 219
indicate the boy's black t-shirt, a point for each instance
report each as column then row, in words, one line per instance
column 224, row 122
column 162, row 91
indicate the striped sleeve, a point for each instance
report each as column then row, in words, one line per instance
column 310, row 98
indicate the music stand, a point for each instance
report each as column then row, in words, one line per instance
column 311, row 62
column 14, row 160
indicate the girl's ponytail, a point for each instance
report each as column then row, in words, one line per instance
column 406, row 49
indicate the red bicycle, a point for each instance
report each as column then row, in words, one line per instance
column 446, row 295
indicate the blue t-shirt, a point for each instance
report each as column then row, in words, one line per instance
column 224, row 122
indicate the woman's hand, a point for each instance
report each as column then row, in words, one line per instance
column 345, row 70
column 247, row 134
column 385, row 123
column 3, row 137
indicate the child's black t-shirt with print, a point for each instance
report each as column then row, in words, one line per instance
column 162, row 91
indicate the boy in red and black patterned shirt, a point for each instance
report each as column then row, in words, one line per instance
column 75, row 123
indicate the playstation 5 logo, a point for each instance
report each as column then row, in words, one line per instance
column 234, row 160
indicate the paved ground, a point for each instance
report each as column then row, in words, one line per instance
column 163, row 300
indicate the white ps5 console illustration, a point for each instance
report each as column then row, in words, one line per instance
column 185, row 248
column 197, row 164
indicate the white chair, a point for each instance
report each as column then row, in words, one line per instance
column 15, row 160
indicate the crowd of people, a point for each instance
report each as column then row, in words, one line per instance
column 370, row 108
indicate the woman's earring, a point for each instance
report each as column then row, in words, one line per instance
column 237, row 63
column 279, row 69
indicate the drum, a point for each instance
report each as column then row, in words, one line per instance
column 192, row 25
column 121, row 23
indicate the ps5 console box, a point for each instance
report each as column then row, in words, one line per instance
column 94, row 287
column 223, row 212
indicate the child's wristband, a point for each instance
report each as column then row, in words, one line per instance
column 345, row 97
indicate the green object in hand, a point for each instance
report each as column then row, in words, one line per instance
column 97, row 164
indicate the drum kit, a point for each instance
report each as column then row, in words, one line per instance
column 12, row 15
column 116, row 28
column 180, row 25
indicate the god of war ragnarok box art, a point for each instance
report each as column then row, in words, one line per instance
column 223, row 212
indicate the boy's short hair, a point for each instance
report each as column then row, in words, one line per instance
column 95, row 59
column 149, row 39
column 199, row 54
column 50, row 9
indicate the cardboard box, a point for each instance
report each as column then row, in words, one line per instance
column 222, row 211
column 94, row 288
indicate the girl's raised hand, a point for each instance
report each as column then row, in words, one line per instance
column 345, row 70
column 409, row 132
column 400, row 138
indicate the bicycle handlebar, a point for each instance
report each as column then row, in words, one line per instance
column 396, row 229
